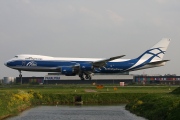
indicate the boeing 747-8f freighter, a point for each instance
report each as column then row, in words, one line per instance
column 85, row 67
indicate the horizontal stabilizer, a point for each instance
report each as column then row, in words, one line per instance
column 158, row 62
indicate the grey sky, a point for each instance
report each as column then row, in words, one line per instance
column 88, row 28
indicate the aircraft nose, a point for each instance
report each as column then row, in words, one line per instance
column 5, row 63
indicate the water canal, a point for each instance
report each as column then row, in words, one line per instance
column 60, row 112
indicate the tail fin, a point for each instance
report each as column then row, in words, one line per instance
column 157, row 52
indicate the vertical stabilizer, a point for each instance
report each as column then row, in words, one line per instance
column 157, row 52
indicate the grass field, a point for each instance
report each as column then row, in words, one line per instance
column 65, row 89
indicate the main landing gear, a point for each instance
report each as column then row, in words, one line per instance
column 84, row 76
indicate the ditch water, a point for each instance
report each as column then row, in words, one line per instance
column 61, row 112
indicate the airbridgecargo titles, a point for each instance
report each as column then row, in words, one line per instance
column 85, row 67
column 30, row 58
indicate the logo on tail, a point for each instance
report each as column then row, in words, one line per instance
column 155, row 52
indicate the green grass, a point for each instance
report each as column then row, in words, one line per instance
column 66, row 89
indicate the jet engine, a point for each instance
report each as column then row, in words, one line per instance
column 86, row 67
column 68, row 71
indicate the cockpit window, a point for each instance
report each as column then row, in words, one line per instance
column 16, row 56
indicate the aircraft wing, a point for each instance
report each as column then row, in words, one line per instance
column 157, row 62
column 102, row 63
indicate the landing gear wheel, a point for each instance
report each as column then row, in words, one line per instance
column 82, row 78
column 88, row 77
column 81, row 75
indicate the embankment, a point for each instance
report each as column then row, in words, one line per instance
column 157, row 106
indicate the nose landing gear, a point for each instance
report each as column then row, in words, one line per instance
column 20, row 76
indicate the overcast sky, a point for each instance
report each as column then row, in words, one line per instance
column 88, row 28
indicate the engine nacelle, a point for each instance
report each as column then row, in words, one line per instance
column 68, row 71
column 86, row 66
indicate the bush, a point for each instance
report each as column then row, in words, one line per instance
column 176, row 91
column 156, row 106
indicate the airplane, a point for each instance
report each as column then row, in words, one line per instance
column 86, row 67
